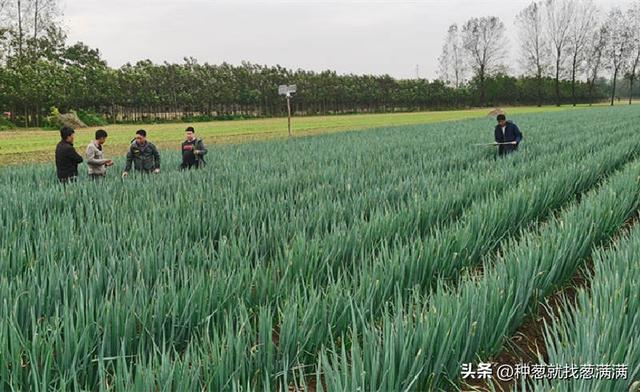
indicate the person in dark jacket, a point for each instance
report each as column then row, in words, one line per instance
column 507, row 132
column 143, row 155
column 193, row 151
column 67, row 158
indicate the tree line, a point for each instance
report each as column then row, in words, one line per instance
column 40, row 70
column 566, row 40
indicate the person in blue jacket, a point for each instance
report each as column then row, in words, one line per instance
column 507, row 132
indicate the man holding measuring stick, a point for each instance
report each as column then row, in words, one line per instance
column 507, row 134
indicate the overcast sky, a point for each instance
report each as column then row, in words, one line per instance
column 349, row 36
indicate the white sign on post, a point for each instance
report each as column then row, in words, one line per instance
column 288, row 91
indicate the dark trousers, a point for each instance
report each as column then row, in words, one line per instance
column 189, row 166
column 505, row 149
column 68, row 180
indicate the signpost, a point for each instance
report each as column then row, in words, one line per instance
column 288, row 91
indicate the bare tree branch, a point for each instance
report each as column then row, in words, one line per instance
column 484, row 43
column 452, row 68
column 534, row 49
column 595, row 51
column 582, row 28
column 633, row 15
column 559, row 17
column 619, row 39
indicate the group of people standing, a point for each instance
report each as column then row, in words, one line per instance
column 143, row 156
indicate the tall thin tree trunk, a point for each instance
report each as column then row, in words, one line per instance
column 35, row 22
column 632, row 76
column 20, row 32
column 482, row 86
column 613, row 89
column 558, row 82
column 539, row 85
column 573, row 80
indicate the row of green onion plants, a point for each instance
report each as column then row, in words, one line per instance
column 601, row 329
column 422, row 343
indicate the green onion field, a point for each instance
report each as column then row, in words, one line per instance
column 376, row 260
column 37, row 145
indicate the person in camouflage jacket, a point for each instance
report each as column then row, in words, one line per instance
column 143, row 155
